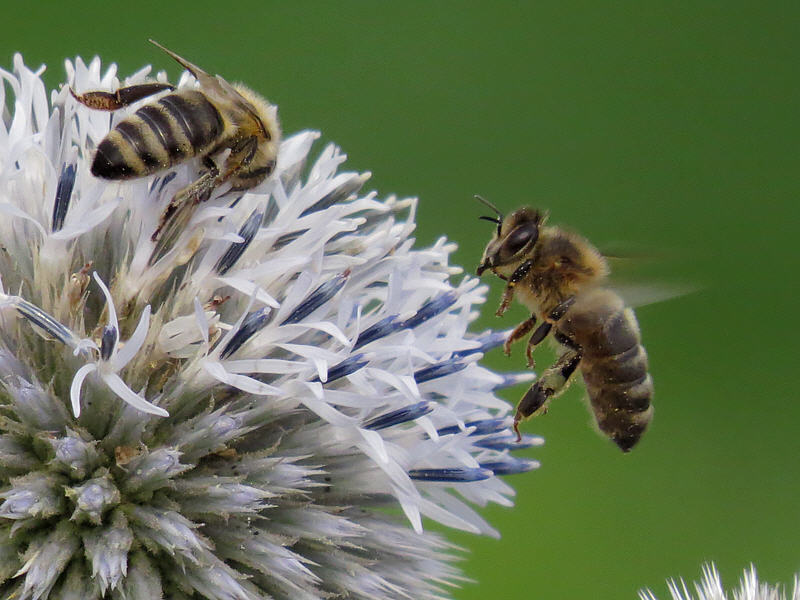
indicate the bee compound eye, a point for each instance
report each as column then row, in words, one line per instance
column 520, row 238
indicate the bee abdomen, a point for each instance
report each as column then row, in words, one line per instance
column 615, row 369
column 176, row 127
column 624, row 368
column 199, row 121
column 620, row 391
column 624, row 427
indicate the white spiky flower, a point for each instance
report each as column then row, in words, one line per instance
column 268, row 411
column 710, row 588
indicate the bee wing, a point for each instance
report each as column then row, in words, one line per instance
column 642, row 275
column 642, row 294
column 204, row 78
column 210, row 84
column 216, row 87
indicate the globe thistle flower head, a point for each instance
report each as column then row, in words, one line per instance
column 268, row 409
column 711, row 588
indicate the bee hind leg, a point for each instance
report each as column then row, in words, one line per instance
column 552, row 382
column 179, row 211
column 110, row 101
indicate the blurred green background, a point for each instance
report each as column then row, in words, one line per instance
column 668, row 126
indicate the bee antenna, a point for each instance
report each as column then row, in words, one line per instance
column 490, row 205
column 492, row 219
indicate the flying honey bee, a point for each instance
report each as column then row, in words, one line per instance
column 218, row 117
column 560, row 277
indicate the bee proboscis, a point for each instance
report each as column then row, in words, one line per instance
column 560, row 277
column 207, row 122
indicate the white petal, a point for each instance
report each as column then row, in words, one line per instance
column 121, row 389
column 374, row 439
column 315, row 403
column 112, row 312
column 410, row 507
column 12, row 210
column 445, row 517
column 134, row 343
column 460, row 510
column 249, row 288
column 265, row 365
column 75, row 388
column 200, row 318
column 242, row 382
column 403, row 384
column 326, row 326
column 76, row 227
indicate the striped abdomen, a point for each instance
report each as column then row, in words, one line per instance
column 613, row 364
column 161, row 134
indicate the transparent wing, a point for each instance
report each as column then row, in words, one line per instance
column 644, row 277
column 216, row 87
column 641, row 294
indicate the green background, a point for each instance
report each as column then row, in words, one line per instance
column 667, row 127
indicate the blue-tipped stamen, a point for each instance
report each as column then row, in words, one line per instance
column 41, row 319
column 234, row 252
column 508, row 442
column 455, row 475
column 66, row 183
column 166, row 179
column 235, row 201
column 346, row 367
column 159, row 182
column 510, row 465
column 390, row 324
column 107, row 342
column 431, row 308
column 339, row 194
column 482, row 427
column 317, row 298
column 487, row 342
column 447, row 367
column 271, row 211
column 401, row 415
column 380, row 329
column 287, row 238
column 250, row 326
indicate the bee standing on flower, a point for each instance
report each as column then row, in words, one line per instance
column 559, row 277
column 217, row 118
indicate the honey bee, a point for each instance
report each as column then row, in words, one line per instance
column 218, row 117
column 561, row 278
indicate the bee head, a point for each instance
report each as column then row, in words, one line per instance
column 513, row 241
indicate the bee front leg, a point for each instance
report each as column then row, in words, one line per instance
column 552, row 382
column 508, row 293
column 122, row 97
